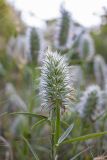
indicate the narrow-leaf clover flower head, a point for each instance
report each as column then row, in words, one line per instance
column 55, row 86
column 86, row 47
column 16, row 49
column 63, row 36
column 90, row 105
column 100, row 71
column 35, row 44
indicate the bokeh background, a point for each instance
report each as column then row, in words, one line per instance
column 78, row 31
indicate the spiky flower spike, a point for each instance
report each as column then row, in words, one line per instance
column 63, row 37
column 100, row 71
column 35, row 40
column 90, row 103
column 86, row 47
column 55, row 86
column 16, row 49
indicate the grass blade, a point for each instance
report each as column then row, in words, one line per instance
column 77, row 155
column 38, row 123
column 3, row 114
column 65, row 134
column 30, row 148
column 64, row 123
column 30, row 114
column 83, row 138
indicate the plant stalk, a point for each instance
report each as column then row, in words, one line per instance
column 57, row 124
column 53, row 134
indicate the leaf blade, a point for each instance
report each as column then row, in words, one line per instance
column 38, row 123
column 30, row 148
column 65, row 134
column 3, row 114
column 30, row 114
column 86, row 137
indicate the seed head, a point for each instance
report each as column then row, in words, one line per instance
column 35, row 44
column 63, row 36
column 55, row 86
column 86, row 47
column 100, row 71
column 90, row 102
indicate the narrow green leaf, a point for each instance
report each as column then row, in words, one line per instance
column 77, row 155
column 30, row 148
column 102, row 116
column 38, row 123
column 30, row 114
column 42, row 149
column 3, row 114
column 65, row 123
column 86, row 137
column 65, row 134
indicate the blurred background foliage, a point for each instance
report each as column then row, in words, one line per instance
column 100, row 38
column 21, row 57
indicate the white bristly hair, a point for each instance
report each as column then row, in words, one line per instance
column 55, row 81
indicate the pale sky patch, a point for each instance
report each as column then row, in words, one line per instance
column 34, row 12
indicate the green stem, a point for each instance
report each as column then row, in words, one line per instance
column 57, row 124
column 53, row 134
column 57, row 129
